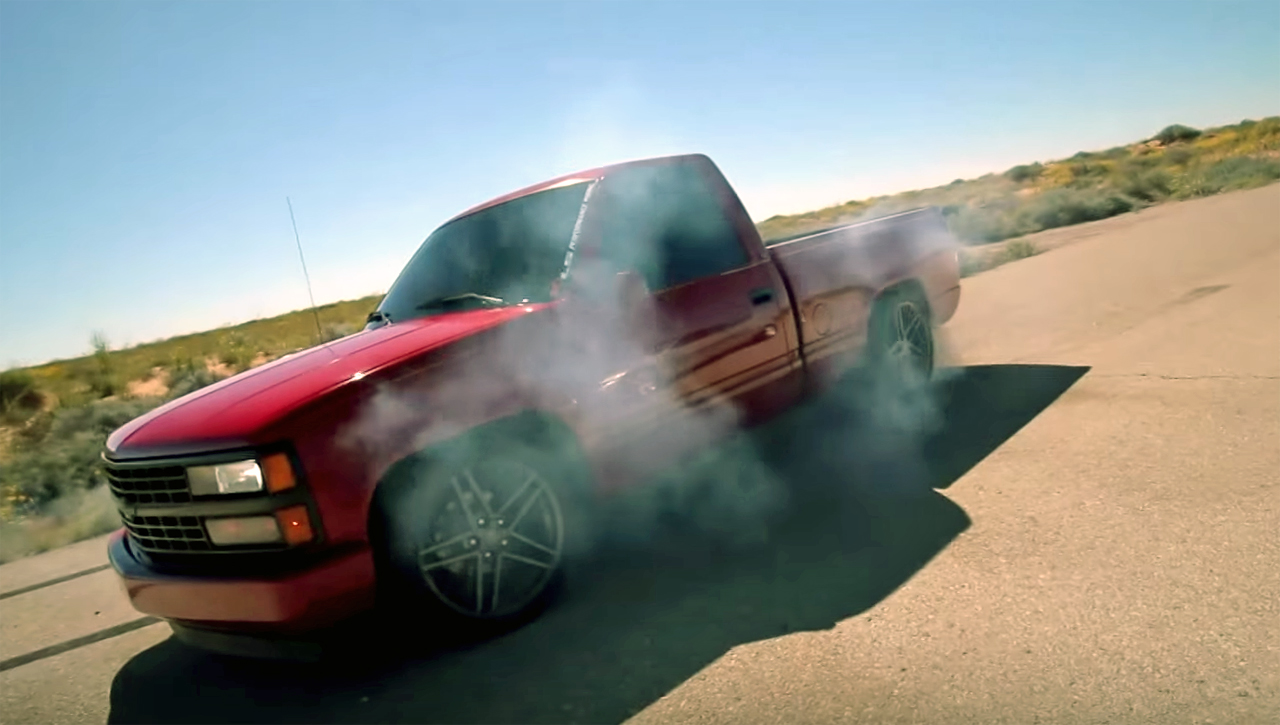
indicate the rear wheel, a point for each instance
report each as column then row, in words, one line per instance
column 901, row 340
column 480, row 538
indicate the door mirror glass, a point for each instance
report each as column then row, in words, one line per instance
column 637, row 308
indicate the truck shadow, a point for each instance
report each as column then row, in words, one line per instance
column 861, row 517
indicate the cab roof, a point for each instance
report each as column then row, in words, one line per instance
column 585, row 175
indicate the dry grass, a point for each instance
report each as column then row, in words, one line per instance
column 71, row 518
column 1180, row 164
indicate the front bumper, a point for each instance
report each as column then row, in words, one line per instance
column 322, row 595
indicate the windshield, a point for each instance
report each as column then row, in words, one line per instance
column 506, row 254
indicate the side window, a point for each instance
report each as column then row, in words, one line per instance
column 667, row 224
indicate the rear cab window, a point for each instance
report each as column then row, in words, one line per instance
column 667, row 223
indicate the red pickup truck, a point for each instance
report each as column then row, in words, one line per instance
column 538, row 353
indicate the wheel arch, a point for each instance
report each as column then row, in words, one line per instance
column 910, row 286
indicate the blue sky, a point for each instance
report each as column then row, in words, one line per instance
column 146, row 149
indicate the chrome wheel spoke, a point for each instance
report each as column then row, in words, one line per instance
column 913, row 324
column 525, row 509
column 475, row 489
column 462, row 499
column 527, row 560
column 530, row 542
column 450, row 561
column 443, row 545
column 519, row 492
column 510, row 495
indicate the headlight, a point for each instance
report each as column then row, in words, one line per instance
column 273, row 473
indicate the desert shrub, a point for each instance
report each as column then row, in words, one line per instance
column 1016, row 249
column 1231, row 174
column 18, row 394
column 983, row 224
column 1179, row 156
column 1176, row 132
column 190, row 377
column 971, row 263
column 66, row 458
column 1061, row 207
column 1147, row 185
column 236, row 351
column 1087, row 173
column 1057, row 207
column 1116, row 153
column 975, row 261
column 1024, row 173
column 71, row 518
column 335, row 331
column 103, row 379
column 1242, row 172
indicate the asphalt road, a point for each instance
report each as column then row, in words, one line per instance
column 1082, row 527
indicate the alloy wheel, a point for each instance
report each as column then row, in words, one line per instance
column 911, row 341
column 494, row 540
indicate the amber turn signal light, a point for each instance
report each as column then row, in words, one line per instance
column 278, row 472
column 295, row 524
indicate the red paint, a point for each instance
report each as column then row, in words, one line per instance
column 352, row 408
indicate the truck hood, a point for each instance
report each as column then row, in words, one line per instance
column 232, row 412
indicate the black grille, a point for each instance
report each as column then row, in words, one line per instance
column 167, row 533
column 150, row 485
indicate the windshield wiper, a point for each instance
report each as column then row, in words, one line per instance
column 455, row 300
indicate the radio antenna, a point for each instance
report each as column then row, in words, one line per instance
column 307, row 277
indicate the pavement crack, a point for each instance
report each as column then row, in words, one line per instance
column 51, row 582
column 76, row 643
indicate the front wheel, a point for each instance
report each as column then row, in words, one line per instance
column 481, row 537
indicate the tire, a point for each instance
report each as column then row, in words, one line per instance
column 900, row 340
column 478, row 535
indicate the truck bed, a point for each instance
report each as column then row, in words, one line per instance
column 834, row 276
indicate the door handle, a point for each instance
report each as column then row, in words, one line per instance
column 761, row 296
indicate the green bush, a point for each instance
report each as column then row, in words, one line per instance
column 66, row 455
column 1061, row 207
column 338, row 331
column 18, row 394
column 1024, row 173
column 1085, row 174
column 1176, row 132
column 971, row 263
column 190, row 378
column 1149, row 185
column 1017, row 249
column 104, row 381
column 1241, row 172
column 1231, row 174
column 71, row 518
column 980, row 225
column 236, row 351
column 1013, row 217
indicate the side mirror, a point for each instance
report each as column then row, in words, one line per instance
column 633, row 292
column 637, row 307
